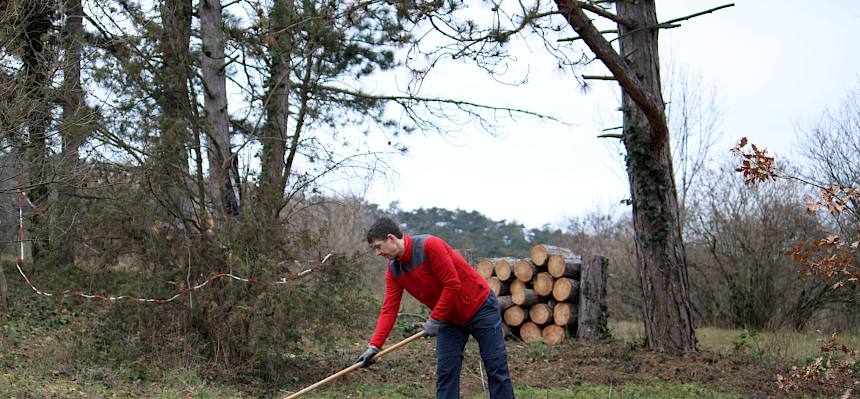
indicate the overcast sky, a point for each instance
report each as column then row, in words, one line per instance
column 775, row 65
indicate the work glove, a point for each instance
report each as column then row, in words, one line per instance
column 366, row 359
column 431, row 327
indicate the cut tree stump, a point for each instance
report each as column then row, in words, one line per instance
column 592, row 299
column 565, row 289
column 540, row 253
column 530, row 332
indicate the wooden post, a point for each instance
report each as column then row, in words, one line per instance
column 592, row 299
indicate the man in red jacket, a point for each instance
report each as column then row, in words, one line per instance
column 460, row 301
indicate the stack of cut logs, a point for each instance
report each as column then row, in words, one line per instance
column 539, row 297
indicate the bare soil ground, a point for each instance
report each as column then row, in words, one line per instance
column 574, row 363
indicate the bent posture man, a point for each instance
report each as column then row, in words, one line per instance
column 460, row 300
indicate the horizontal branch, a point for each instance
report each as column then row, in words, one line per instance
column 671, row 21
column 404, row 100
column 608, row 15
column 572, row 39
column 610, row 136
column 598, row 77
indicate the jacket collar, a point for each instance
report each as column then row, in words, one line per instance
column 407, row 250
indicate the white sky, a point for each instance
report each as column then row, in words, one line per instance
column 776, row 64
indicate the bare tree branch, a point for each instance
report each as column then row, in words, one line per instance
column 572, row 10
column 608, row 15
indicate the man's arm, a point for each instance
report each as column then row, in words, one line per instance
column 443, row 267
column 388, row 314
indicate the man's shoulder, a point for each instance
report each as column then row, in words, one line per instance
column 424, row 240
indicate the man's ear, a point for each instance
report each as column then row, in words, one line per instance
column 390, row 236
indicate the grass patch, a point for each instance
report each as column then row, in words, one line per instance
column 98, row 384
column 784, row 347
column 658, row 390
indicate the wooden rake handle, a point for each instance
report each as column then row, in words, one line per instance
column 352, row 368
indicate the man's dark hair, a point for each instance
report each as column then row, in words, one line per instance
column 381, row 228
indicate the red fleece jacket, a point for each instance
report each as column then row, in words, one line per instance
column 437, row 276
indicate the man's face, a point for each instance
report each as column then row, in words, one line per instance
column 387, row 248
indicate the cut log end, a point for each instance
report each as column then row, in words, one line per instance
column 564, row 266
column 485, row 268
column 543, row 284
column 530, row 332
column 564, row 314
column 525, row 297
column 541, row 313
column 553, row 334
column 515, row 316
column 565, row 289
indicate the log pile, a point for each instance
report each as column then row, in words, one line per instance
column 541, row 297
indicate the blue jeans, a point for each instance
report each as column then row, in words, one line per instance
column 485, row 326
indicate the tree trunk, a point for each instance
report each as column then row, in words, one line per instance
column 592, row 299
column 274, row 140
column 36, row 59
column 223, row 190
column 170, row 174
column 661, row 257
column 73, row 134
